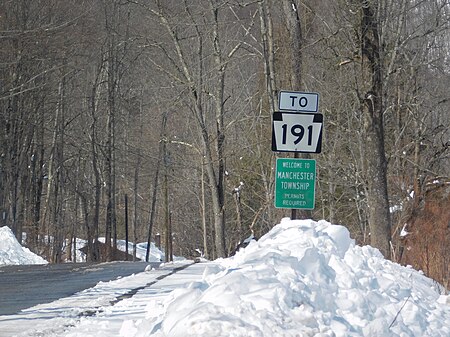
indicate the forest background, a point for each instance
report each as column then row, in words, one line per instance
column 156, row 116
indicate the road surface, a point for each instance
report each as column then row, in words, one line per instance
column 22, row 287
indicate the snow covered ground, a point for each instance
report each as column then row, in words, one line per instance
column 303, row 278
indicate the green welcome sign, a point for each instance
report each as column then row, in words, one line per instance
column 295, row 182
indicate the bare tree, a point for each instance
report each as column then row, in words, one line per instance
column 189, row 65
column 372, row 106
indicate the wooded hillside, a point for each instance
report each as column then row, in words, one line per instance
column 158, row 114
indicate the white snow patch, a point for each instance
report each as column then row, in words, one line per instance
column 404, row 232
column 303, row 278
column 13, row 253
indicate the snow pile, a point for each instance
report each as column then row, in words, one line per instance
column 155, row 254
column 303, row 278
column 12, row 253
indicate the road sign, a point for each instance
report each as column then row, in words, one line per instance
column 293, row 132
column 295, row 181
column 298, row 101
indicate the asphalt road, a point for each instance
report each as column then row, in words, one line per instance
column 22, row 287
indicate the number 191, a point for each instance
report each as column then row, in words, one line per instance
column 298, row 131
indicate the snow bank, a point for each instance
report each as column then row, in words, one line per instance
column 141, row 250
column 303, row 278
column 155, row 254
column 12, row 253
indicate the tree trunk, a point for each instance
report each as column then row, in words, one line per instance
column 112, row 78
column 93, row 232
column 266, row 27
column 265, row 18
column 219, row 89
column 135, row 206
column 168, row 256
column 203, row 213
column 155, row 185
column 376, row 169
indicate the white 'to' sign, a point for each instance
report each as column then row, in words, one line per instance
column 298, row 101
